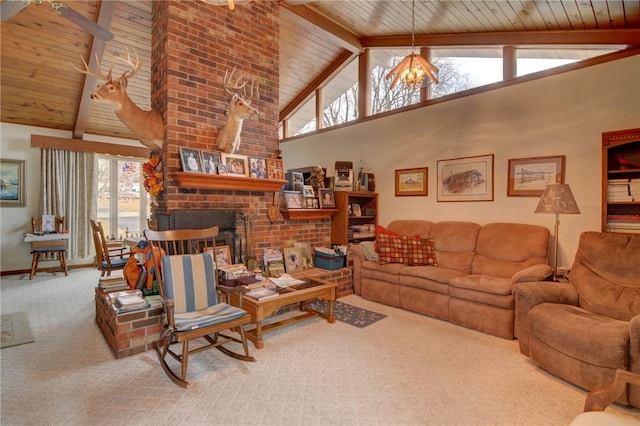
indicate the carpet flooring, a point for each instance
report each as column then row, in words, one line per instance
column 406, row 369
column 15, row 329
column 347, row 313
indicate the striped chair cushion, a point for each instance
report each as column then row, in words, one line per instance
column 205, row 317
column 189, row 280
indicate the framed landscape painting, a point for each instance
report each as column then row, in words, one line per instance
column 412, row 181
column 466, row 179
column 528, row 177
column 12, row 183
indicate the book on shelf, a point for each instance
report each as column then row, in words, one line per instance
column 262, row 293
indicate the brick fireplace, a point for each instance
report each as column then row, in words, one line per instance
column 193, row 44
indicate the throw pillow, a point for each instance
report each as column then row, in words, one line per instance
column 381, row 230
column 390, row 249
column 369, row 250
column 419, row 251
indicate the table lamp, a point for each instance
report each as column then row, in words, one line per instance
column 558, row 199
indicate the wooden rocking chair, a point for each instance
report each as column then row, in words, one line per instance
column 189, row 288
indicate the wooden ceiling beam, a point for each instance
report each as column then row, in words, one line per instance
column 322, row 79
column 630, row 37
column 345, row 38
column 105, row 16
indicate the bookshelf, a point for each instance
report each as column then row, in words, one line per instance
column 349, row 227
column 621, row 181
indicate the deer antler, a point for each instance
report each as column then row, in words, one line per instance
column 134, row 67
column 241, row 85
column 88, row 71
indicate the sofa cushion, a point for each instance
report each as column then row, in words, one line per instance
column 389, row 272
column 579, row 334
column 494, row 291
column 428, row 278
column 421, row 228
column 505, row 248
column 418, row 251
column 605, row 273
column 455, row 244
column 390, row 249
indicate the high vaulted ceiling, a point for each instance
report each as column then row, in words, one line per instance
column 317, row 38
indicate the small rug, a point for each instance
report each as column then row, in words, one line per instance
column 15, row 329
column 346, row 313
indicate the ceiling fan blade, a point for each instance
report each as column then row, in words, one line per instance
column 10, row 7
column 85, row 23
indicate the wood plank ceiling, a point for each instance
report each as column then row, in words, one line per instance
column 317, row 38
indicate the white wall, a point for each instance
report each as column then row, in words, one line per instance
column 560, row 115
column 15, row 221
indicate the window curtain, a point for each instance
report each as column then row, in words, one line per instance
column 68, row 189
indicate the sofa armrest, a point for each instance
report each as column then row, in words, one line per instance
column 537, row 272
column 634, row 347
column 357, row 257
column 530, row 294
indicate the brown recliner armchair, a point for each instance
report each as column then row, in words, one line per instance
column 586, row 329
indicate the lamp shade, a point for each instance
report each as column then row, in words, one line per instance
column 557, row 198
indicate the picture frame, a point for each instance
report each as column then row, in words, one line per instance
column 412, row 182
column 210, row 162
column 275, row 168
column 257, row 168
column 308, row 192
column 356, row 210
column 293, row 260
column 191, row 160
column 528, row 177
column 466, row 179
column 327, row 198
column 293, row 199
column 236, row 164
column 13, row 184
column 221, row 255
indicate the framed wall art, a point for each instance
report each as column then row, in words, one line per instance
column 528, row 177
column 190, row 159
column 236, row 164
column 12, row 183
column 210, row 162
column 412, row 181
column 466, row 179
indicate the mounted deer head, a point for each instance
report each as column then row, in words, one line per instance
column 146, row 125
column 239, row 109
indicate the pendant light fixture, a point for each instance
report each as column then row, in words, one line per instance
column 412, row 70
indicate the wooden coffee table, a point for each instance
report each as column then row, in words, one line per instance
column 313, row 288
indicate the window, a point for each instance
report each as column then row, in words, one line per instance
column 530, row 60
column 122, row 203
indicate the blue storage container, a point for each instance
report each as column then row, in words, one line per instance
column 327, row 261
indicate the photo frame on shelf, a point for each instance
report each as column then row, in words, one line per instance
column 257, row 167
column 412, row 181
column 210, row 162
column 308, row 192
column 466, row 179
column 327, row 198
column 236, row 164
column 12, row 173
column 356, row 210
column 275, row 168
column 528, row 177
column 293, row 260
column 191, row 160
column 293, row 199
column 221, row 255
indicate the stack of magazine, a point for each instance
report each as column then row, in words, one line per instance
column 262, row 293
column 110, row 284
column 127, row 300
column 273, row 261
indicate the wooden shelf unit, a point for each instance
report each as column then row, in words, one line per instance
column 207, row 181
column 342, row 221
column 307, row 214
column 620, row 170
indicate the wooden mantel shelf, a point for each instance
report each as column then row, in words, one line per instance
column 307, row 214
column 207, row 181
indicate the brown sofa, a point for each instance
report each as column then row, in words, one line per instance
column 586, row 329
column 471, row 286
